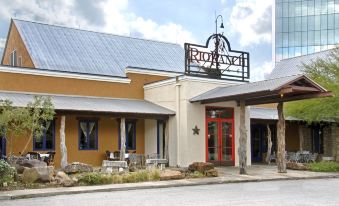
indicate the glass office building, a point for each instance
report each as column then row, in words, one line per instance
column 304, row 27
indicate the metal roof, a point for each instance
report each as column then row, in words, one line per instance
column 293, row 66
column 265, row 85
column 266, row 114
column 74, row 50
column 89, row 104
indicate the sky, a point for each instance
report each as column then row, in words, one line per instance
column 247, row 22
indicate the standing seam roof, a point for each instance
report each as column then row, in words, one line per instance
column 74, row 50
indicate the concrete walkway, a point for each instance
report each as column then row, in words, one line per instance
column 256, row 173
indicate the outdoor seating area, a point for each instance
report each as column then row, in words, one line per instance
column 134, row 161
column 47, row 157
column 297, row 157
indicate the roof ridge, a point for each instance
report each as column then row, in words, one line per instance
column 84, row 30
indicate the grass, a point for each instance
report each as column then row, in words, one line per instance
column 324, row 166
column 100, row 179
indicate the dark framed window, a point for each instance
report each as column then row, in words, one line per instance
column 161, row 127
column 47, row 140
column 130, row 129
column 88, row 134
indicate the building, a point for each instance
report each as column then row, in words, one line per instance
column 303, row 27
column 101, row 84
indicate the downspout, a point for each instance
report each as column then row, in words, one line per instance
column 177, row 89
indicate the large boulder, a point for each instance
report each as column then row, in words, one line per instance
column 171, row 175
column 77, row 167
column 32, row 163
column 38, row 174
column 296, row 166
column 200, row 167
column 63, row 179
column 211, row 173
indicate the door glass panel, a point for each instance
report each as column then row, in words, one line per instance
column 212, row 141
column 226, row 141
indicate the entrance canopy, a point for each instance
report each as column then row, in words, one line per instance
column 284, row 89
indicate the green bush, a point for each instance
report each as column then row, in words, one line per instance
column 196, row 174
column 324, row 166
column 96, row 179
column 7, row 173
column 154, row 175
column 99, row 179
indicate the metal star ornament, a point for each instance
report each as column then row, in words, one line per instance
column 196, row 130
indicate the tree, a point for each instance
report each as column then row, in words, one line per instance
column 31, row 120
column 326, row 73
column 40, row 113
column 12, row 121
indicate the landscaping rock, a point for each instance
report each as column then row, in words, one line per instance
column 211, row 173
column 296, row 166
column 38, row 174
column 32, row 163
column 63, row 179
column 77, row 167
column 171, row 175
column 200, row 167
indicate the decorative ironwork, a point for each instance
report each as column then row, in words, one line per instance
column 216, row 59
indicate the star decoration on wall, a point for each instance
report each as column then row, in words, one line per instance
column 196, row 130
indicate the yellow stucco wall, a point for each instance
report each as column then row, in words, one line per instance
column 14, row 42
column 107, row 140
column 59, row 85
column 292, row 137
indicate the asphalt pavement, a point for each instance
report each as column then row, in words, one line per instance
column 290, row 192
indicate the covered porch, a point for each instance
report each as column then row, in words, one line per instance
column 86, row 128
column 290, row 88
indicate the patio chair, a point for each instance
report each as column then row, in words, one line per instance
column 272, row 157
column 135, row 160
column 313, row 157
column 50, row 159
column 33, row 155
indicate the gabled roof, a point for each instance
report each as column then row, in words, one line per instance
column 294, row 87
column 74, row 50
column 293, row 66
column 90, row 104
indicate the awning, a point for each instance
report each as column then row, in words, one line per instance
column 282, row 89
column 70, row 103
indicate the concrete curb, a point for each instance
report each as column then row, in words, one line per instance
column 33, row 193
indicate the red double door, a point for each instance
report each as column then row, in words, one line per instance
column 220, row 141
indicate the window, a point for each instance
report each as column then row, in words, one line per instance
column 130, row 129
column 47, row 140
column 88, row 135
column 13, row 58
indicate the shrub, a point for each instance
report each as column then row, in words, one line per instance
column 95, row 179
column 154, row 175
column 7, row 173
column 324, row 166
column 196, row 174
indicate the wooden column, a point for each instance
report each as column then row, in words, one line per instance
column 301, row 137
column 166, row 140
column 281, row 161
column 269, row 144
column 63, row 148
column 122, row 139
column 242, row 149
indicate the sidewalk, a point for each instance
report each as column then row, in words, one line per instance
column 256, row 173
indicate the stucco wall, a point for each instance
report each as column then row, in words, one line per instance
column 15, row 43
column 184, row 147
column 150, row 136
